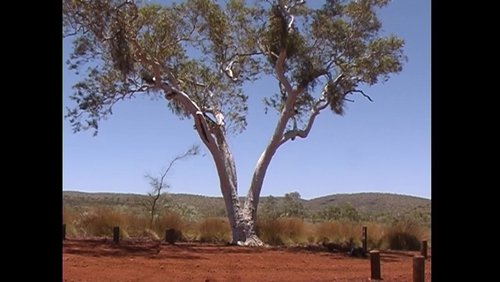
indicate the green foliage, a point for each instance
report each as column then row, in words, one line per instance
column 343, row 212
column 193, row 42
column 292, row 206
column 288, row 206
column 105, row 42
column 276, row 35
column 216, row 27
column 341, row 38
column 270, row 208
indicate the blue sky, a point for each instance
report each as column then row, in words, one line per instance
column 382, row 146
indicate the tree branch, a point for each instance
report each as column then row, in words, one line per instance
column 173, row 92
column 338, row 78
column 78, row 30
column 362, row 93
column 155, row 65
column 228, row 70
column 180, row 39
column 281, row 72
column 286, row 11
column 129, row 94
column 320, row 105
column 292, row 134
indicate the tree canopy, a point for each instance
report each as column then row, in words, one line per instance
column 209, row 51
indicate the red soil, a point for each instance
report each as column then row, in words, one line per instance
column 102, row 260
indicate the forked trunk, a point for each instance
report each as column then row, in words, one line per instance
column 241, row 220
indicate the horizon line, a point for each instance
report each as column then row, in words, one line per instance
column 220, row 196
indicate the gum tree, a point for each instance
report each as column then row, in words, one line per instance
column 198, row 54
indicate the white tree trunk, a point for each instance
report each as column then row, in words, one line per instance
column 226, row 169
column 242, row 221
column 252, row 200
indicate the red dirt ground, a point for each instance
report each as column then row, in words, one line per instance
column 102, row 260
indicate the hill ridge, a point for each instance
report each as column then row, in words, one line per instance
column 208, row 196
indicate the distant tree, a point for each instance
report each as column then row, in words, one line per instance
column 158, row 185
column 270, row 208
column 329, row 213
column 292, row 206
column 349, row 212
column 345, row 212
column 199, row 54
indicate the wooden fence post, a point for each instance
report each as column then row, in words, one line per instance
column 418, row 268
column 64, row 231
column 375, row 265
column 170, row 236
column 116, row 234
column 423, row 250
column 365, row 239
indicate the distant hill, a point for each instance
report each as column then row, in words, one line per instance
column 372, row 202
column 365, row 203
